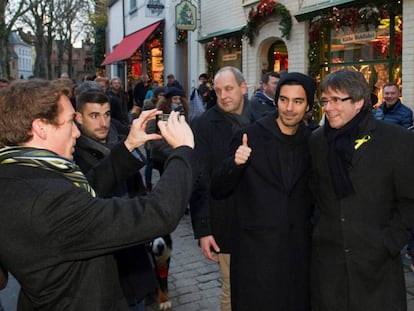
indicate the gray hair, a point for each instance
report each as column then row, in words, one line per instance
column 350, row 82
column 236, row 72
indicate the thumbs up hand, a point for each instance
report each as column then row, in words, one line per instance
column 243, row 152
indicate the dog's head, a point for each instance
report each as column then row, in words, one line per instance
column 161, row 247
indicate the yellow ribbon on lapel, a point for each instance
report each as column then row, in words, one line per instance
column 359, row 142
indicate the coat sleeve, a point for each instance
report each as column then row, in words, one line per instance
column 403, row 181
column 227, row 175
column 114, row 169
column 77, row 226
column 199, row 201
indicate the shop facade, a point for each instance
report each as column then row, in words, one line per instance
column 324, row 36
column 144, row 38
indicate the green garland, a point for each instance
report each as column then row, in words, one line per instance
column 338, row 18
column 265, row 10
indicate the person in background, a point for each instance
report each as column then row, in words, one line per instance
column 363, row 180
column 157, row 94
column 268, row 174
column 160, row 150
column 172, row 82
column 62, row 235
column 263, row 101
column 103, row 82
column 392, row 109
column 118, row 101
column 150, row 91
column 140, row 90
column 212, row 219
column 98, row 152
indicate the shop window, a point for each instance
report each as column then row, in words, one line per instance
column 277, row 57
column 366, row 39
column 223, row 51
column 132, row 6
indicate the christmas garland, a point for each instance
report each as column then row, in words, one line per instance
column 182, row 36
column 212, row 47
column 265, row 10
column 349, row 17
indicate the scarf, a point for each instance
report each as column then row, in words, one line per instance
column 45, row 159
column 239, row 121
column 340, row 153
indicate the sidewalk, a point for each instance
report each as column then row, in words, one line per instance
column 194, row 281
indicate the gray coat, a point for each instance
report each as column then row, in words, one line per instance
column 356, row 262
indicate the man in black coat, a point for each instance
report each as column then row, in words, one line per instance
column 363, row 184
column 60, row 236
column 263, row 101
column 212, row 219
column 99, row 135
column 268, row 174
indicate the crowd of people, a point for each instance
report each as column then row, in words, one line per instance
column 299, row 216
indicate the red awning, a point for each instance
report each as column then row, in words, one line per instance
column 129, row 45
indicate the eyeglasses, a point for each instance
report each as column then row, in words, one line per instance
column 333, row 100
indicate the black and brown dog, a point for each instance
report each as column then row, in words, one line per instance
column 161, row 250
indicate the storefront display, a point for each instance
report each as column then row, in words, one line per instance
column 223, row 51
column 367, row 39
column 148, row 59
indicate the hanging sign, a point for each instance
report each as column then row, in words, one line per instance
column 186, row 15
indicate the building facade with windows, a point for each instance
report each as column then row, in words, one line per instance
column 143, row 38
column 21, row 56
column 310, row 36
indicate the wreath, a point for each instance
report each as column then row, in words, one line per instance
column 265, row 10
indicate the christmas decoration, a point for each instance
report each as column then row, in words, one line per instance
column 353, row 18
column 267, row 9
column 182, row 36
column 212, row 47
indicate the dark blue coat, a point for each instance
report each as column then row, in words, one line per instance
column 397, row 114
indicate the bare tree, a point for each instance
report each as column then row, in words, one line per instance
column 54, row 23
column 12, row 11
column 74, row 22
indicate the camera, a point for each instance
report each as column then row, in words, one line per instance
column 163, row 117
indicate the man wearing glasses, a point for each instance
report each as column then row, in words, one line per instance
column 363, row 183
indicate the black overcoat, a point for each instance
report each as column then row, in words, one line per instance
column 213, row 134
column 269, row 263
column 356, row 264
column 98, row 161
column 59, row 240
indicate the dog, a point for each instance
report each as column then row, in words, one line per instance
column 161, row 249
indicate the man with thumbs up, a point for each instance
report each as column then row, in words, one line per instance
column 268, row 176
column 212, row 219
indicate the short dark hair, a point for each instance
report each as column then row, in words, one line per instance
column 267, row 75
column 203, row 75
column 90, row 96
